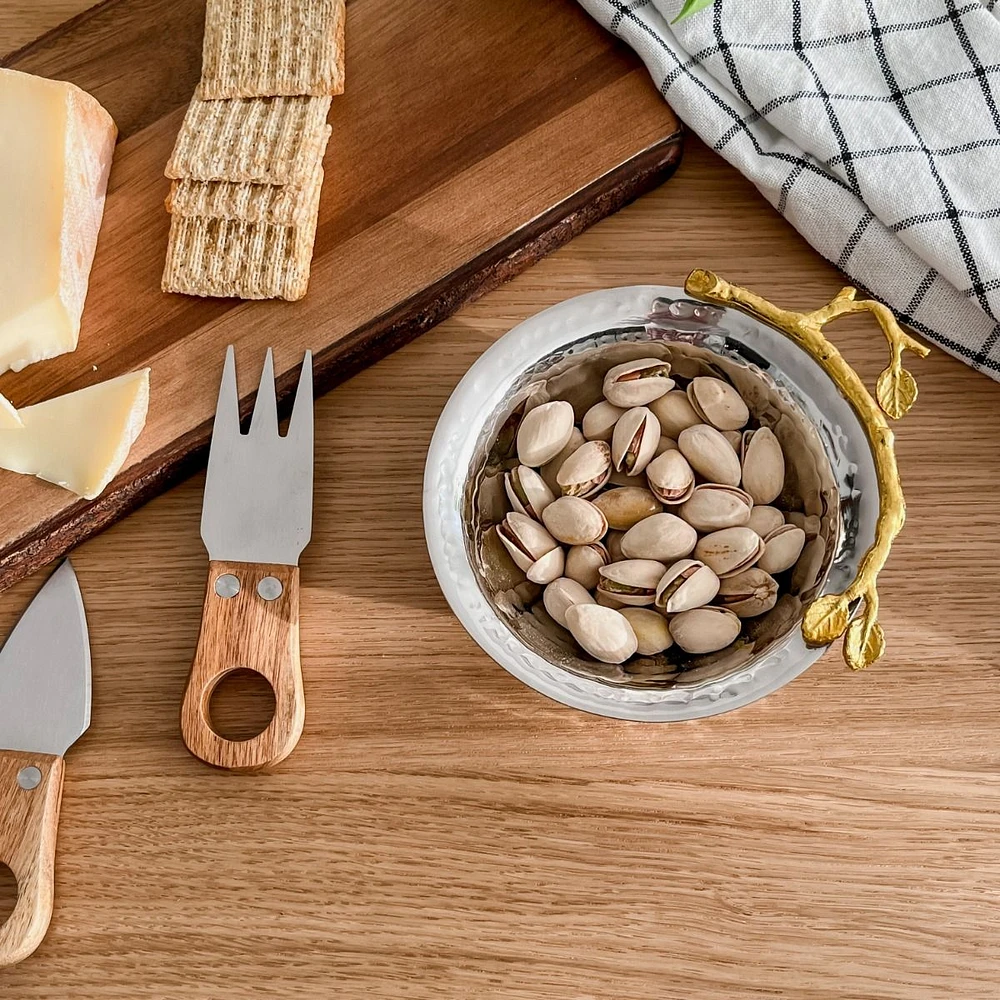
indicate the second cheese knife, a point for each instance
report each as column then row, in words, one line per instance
column 255, row 522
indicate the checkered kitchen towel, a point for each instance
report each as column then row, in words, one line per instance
column 873, row 126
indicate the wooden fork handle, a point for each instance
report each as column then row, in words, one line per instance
column 30, row 796
column 250, row 622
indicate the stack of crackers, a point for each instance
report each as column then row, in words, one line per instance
column 247, row 167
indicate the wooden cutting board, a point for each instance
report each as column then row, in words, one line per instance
column 474, row 137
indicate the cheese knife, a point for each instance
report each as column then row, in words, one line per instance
column 256, row 520
column 44, row 709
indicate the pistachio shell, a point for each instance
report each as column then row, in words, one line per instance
column 586, row 470
column 602, row 632
column 782, row 548
column 763, row 465
column 665, row 444
column 632, row 581
column 527, row 491
column 729, row 551
column 651, row 631
column 599, row 421
column 526, row 540
column 548, row 568
column 621, row 479
column 735, row 438
column 670, row 477
column 550, row 470
column 710, row 454
column 607, row 601
column 764, row 519
column 686, row 584
column 713, row 507
column 662, row 537
column 627, row 506
column 809, row 523
column 613, row 540
column 704, row 630
column 544, row 432
column 634, row 442
column 583, row 562
column 636, row 383
column 718, row 403
column 560, row 595
column 574, row 521
column 674, row 412
column 750, row 593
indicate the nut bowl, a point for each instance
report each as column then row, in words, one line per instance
column 841, row 481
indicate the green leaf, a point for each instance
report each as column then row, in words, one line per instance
column 692, row 7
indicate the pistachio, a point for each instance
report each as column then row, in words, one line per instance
column 607, row 601
column 526, row 540
column 764, row 519
column 632, row 581
column 620, row 479
column 713, row 507
column 627, row 506
column 544, row 432
column 704, row 630
column 636, row 383
column 686, row 584
column 717, row 403
column 651, row 631
column 583, row 562
column 663, row 445
column 662, row 537
column 674, row 412
column 574, row 521
column 527, row 491
column 670, row 477
column 735, row 438
column 710, row 454
column 763, row 465
column 634, row 441
column 613, row 540
column 599, row 421
column 548, row 568
column 586, row 470
column 782, row 548
column 550, row 470
column 809, row 523
column 749, row 593
column 603, row 632
column 560, row 595
column 729, row 551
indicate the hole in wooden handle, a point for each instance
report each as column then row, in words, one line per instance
column 8, row 893
column 240, row 705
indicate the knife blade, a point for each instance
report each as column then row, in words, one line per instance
column 45, row 694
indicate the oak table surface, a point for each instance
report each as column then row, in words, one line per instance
column 441, row 830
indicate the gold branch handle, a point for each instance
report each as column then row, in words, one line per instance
column 827, row 617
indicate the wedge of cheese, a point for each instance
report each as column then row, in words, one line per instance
column 56, row 144
column 8, row 415
column 79, row 441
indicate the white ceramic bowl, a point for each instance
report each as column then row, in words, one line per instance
column 483, row 400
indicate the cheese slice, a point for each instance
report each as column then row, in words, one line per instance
column 56, row 144
column 80, row 440
column 8, row 415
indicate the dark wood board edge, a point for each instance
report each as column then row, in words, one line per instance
column 364, row 346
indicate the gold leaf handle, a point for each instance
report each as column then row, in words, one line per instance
column 827, row 617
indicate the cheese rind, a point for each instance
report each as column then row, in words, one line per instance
column 56, row 145
column 79, row 441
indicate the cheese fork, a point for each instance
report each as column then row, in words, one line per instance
column 256, row 520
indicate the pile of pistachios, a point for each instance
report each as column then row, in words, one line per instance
column 623, row 574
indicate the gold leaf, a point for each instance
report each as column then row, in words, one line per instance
column 896, row 392
column 825, row 619
column 862, row 647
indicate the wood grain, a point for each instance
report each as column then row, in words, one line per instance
column 447, row 173
column 29, row 820
column 247, row 632
column 443, row 832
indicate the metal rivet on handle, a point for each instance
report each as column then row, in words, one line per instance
column 227, row 585
column 269, row 588
column 29, row 777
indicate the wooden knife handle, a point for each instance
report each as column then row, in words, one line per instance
column 29, row 818
column 250, row 622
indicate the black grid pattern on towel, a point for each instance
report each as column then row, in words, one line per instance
column 953, row 214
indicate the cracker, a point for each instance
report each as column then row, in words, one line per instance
column 259, row 141
column 247, row 260
column 263, row 48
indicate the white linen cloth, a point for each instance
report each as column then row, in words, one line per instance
column 873, row 126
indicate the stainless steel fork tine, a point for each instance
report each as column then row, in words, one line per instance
column 300, row 427
column 227, row 412
column 264, row 422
